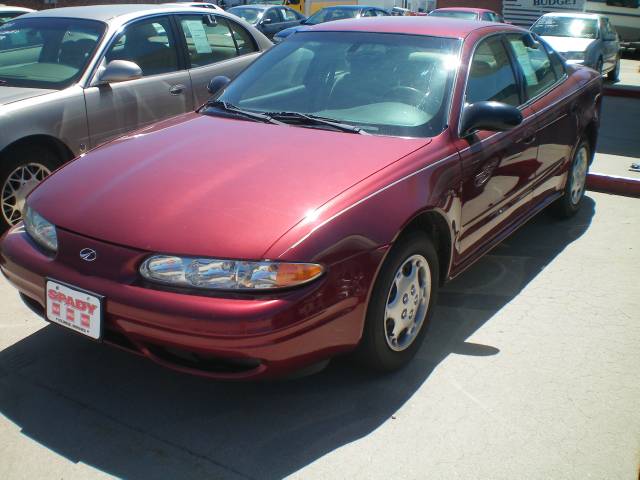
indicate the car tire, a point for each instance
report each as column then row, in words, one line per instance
column 21, row 169
column 569, row 203
column 614, row 74
column 401, row 304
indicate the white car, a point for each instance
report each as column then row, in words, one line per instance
column 7, row 12
column 582, row 38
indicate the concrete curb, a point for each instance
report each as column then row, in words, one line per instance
column 599, row 182
column 622, row 91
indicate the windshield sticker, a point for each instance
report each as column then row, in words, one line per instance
column 198, row 35
column 525, row 62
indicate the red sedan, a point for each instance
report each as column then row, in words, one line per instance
column 315, row 204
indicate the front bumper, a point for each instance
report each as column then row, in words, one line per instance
column 221, row 336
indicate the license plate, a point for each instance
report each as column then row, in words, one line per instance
column 74, row 308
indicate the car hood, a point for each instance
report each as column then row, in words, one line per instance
column 15, row 94
column 569, row 44
column 202, row 185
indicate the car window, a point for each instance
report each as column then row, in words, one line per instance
column 487, row 17
column 149, row 44
column 336, row 76
column 553, row 26
column 207, row 44
column 248, row 14
column 244, row 41
column 368, row 13
column 557, row 64
column 46, row 53
column 534, row 64
column 272, row 15
column 288, row 15
column 6, row 16
column 381, row 13
column 491, row 75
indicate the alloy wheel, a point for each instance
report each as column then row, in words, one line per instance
column 17, row 186
column 407, row 302
column 579, row 175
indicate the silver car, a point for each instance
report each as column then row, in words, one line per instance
column 73, row 78
column 582, row 38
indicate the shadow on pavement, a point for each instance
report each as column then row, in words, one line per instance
column 125, row 416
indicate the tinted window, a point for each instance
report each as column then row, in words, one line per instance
column 6, row 16
column 454, row 14
column 332, row 13
column 46, row 53
column 207, row 44
column 272, row 16
column 337, row 75
column 491, row 76
column 534, row 64
column 244, row 40
column 149, row 44
column 288, row 15
column 248, row 14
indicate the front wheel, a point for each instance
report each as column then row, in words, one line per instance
column 401, row 304
column 21, row 170
column 574, row 189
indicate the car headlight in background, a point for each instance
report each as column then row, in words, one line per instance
column 40, row 230
column 216, row 274
column 574, row 55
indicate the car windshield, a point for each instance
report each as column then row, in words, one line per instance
column 46, row 52
column 338, row 76
column 566, row 27
column 454, row 14
column 330, row 14
column 248, row 14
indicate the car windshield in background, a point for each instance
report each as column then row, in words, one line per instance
column 46, row 52
column 338, row 76
column 330, row 14
column 454, row 14
column 248, row 14
column 566, row 27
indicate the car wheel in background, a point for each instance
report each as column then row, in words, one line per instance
column 20, row 171
column 401, row 304
column 614, row 74
column 570, row 202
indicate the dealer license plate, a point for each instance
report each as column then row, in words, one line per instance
column 74, row 308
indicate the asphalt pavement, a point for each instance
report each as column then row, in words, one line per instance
column 531, row 371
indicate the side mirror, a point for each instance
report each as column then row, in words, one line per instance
column 530, row 42
column 492, row 116
column 217, row 83
column 120, row 71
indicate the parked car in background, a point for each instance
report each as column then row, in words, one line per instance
column 269, row 19
column 399, row 12
column 479, row 14
column 582, row 38
column 211, row 6
column 313, row 206
column 7, row 13
column 73, row 78
column 328, row 14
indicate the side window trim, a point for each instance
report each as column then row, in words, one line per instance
column 235, row 25
column 184, row 62
column 517, row 71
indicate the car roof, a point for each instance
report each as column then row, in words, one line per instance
column 7, row 8
column 593, row 16
column 425, row 25
column 462, row 9
column 107, row 13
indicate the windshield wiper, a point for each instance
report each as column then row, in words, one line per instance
column 228, row 107
column 309, row 119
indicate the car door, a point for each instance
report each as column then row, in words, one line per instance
column 272, row 22
column 223, row 47
column 498, row 167
column 163, row 91
column 543, row 71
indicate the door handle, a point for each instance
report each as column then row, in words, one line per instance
column 177, row 89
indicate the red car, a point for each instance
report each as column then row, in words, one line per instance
column 315, row 204
column 480, row 14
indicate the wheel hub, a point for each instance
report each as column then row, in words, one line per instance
column 579, row 175
column 407, row 302
column 17, row 186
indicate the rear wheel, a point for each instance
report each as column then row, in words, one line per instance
column 570, row 202
column 614, row 74
column 401, row 304
column 21, row 170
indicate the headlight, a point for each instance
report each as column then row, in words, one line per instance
column 574, row 55
column 42, row 231
column 214, row 274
